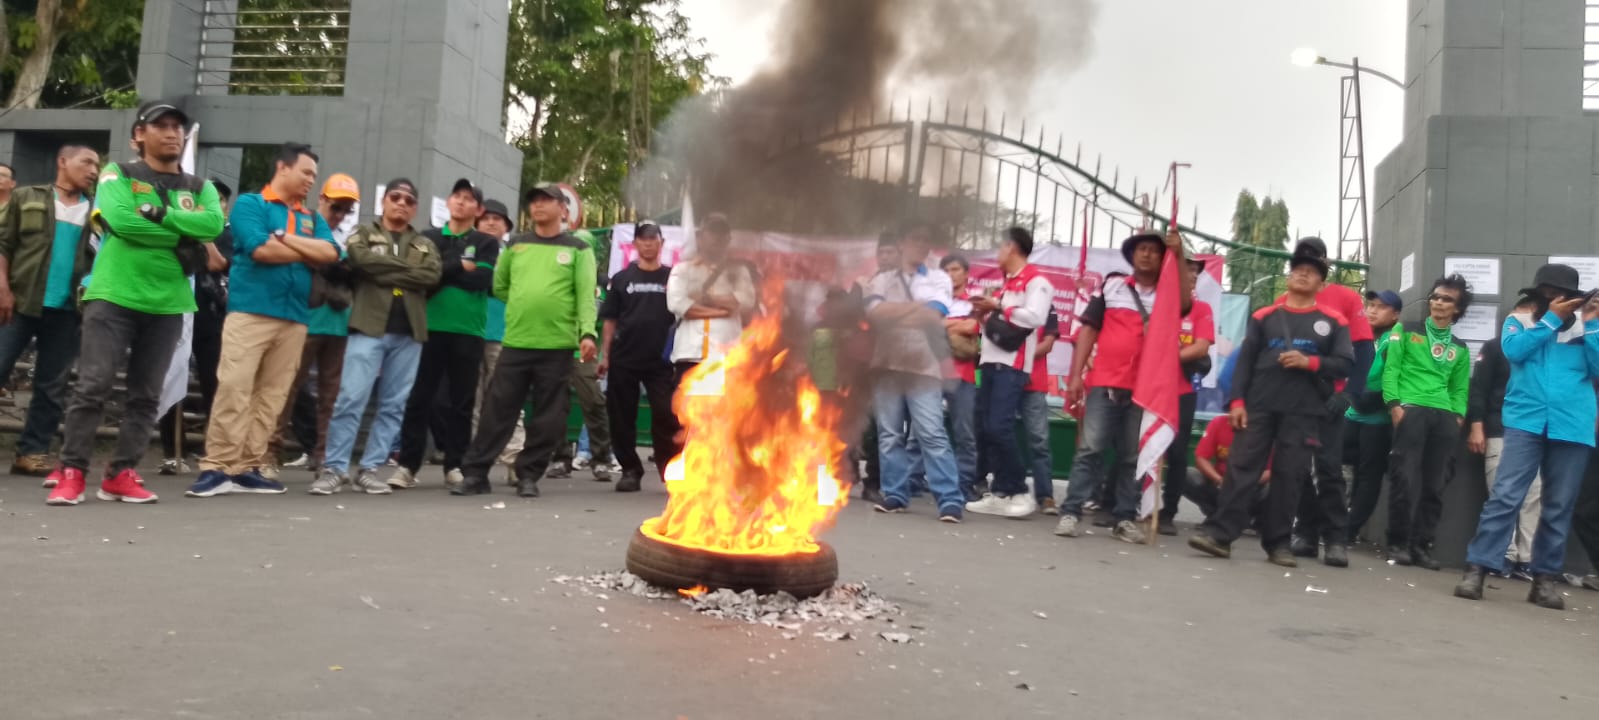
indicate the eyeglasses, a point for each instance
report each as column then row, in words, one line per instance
column 344, row 208
column 400, row 198
column 1442, row 298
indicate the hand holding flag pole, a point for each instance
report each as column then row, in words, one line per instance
column 1159, row 379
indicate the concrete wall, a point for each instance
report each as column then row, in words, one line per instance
column 1498, row 160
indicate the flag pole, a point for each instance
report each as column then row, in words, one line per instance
column 1160, row 467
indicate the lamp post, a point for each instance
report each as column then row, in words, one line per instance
column 1351, row 152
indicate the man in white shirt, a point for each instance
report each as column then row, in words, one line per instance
column 906, row 307
column 712, row 296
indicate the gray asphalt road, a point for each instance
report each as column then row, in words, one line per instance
column 420, row 605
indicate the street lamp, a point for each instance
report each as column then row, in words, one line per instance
column 1351, row 151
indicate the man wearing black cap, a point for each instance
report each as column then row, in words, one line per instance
column 1370, row 430
column 497, row 222
column 1290, row 357
column 394, row 268
column 1323, row 514
column 156, row 220
column 457, row 316
column 547, row 280
column 1549, row 415
column 637, row 327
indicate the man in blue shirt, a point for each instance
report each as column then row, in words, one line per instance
column 276, row 243
column 1548, row 415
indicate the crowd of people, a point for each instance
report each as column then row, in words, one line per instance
column 478, row 337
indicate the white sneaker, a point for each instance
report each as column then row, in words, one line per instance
column 1020, row 505
column 304, row 461
column 580, row 462
column 402, row 478
column 1067, row 527
column 367, row 481
column 454, row 478
column 991, row 504
column 1128, row 531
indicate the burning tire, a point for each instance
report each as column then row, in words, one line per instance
column 802, row 575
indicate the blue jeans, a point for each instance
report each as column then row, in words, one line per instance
column 390, row 363
column 1000, row 397
column 961, row 399
column 1563, row 465
column 1035, row 418
column 1110, row 422
column 909, row 406
column 55, row 332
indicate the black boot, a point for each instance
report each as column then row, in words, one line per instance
column 1470, row 586
column 473, row 486
column 1303, row 547
column 527, row 487
column 1399, row 555
column 1546, row 592
column 1423, row 559
column 871, row 495
column 1336, row 555
column 630, row 482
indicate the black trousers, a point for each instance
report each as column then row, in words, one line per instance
column 1585, row 518
column 540, row 377
column 451, row 361
column 1294, row 440
column 621, row 400
column 1423, row 462
column 110, row 333
column 1171, row 491
column 1366, row 447
column 1323, row 512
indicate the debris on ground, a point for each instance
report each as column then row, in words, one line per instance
column 848, row 603
column 1319, row 590
column 896, row 638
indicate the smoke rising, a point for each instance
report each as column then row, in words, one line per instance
column 751, row 151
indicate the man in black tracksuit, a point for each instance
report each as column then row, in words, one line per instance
column 1290, row 358
column 637, row 326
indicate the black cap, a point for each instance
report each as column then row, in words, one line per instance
column 495, row 207
column 222, row 188
column 1387, row 297
column 646, row 227
column 1560, row 277
column 405, row 184
column 465, row 184
column 154, row 110
column 549, row 190
column 1132, row 243
column 1311, row 246
column 1310, row 258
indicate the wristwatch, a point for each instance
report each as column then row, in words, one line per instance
column 278, row 234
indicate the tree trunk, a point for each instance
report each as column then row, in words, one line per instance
column 5, row 38
column 36, row 67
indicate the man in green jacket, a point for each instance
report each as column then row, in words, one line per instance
column 158, row 221
column 1426, row 383
column 44, row 254
column 546, row 279
column 394, row 268
column 1369, row 434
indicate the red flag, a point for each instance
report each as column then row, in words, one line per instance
column 1159, row 382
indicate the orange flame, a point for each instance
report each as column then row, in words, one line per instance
column 693, row 592
column 755, row 476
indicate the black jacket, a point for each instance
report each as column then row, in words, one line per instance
column 1487, row 399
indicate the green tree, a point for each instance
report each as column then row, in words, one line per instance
column 1259, row 224
column 56, row 53
column 586, row 81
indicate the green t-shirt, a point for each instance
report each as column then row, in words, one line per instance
column 136, row 267
column 547, row 285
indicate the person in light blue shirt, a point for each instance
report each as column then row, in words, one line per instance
column 1549, row 415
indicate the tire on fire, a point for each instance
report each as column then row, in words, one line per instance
column 663, row 564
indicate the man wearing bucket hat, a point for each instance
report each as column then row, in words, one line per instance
column 1549, row 415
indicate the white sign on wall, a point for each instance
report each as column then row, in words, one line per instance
column 1587, row 267
column 1481, row 322
column 1481, row 272
column 1407, row 272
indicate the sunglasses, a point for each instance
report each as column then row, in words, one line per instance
column 343, row 208
column 400, row 198
column 1441, row 298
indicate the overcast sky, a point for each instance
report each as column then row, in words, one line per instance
column 1182, row 80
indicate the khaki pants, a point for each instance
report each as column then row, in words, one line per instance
column 1520, row 550
column 260, row 357
column 491, row 356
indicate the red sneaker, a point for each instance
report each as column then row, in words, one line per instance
column 68, row 484
column 126, row 487
column 54, row 478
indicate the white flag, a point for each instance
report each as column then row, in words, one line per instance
column 176, row 386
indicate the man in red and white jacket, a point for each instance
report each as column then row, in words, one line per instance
column 1022, row 307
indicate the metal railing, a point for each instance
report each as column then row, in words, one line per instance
column 274, row 47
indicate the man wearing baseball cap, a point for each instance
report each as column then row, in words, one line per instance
column 1368, row 437
column 453, row 355
column 547, row 280
column 326, row 336
column 155, row 220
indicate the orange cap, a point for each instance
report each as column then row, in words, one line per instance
column 341, row 187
